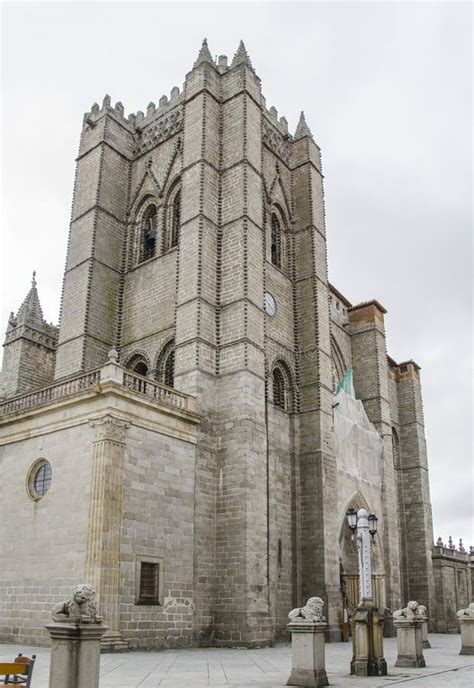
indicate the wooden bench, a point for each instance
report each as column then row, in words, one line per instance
column 19, row 672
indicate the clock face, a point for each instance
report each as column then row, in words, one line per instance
column 270, row 304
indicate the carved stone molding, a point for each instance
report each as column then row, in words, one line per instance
column 110, row 428
column 275, row 141
column 162, row 129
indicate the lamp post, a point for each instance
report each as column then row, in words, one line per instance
column 367, row 633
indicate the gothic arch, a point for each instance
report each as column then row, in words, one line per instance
column 165, row 363
column 348, row 554
column 396, row 449
column 281, row 385
column 278, row 237
column 172, row 222
column 138, row 251
column 338, row 364
column 138, row 363
column 276, row 195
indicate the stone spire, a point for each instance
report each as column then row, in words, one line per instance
column 204, row 55
column 302, row 129
column 241, row 57
column 30, row 310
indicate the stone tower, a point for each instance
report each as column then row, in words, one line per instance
column 197, row 250
column 29, row 348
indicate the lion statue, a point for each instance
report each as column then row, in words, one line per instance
column 412, row 611
column 312, row 611
column 81, row 608
column 469, row 611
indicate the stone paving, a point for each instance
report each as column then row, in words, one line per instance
column 265, row 668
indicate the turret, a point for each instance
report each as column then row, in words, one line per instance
column 29, row 348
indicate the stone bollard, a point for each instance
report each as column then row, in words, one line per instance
column 408, row 623
column 75, row 648
column 307, row 626
column 466, row 621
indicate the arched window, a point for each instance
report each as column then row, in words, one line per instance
column 138, row 365
column 338, row 364
column 165, row 368
column 176, row 219
column 395, row 449
column 276, row 241
column 282, row 388
column 148, row 234
column 173, row 217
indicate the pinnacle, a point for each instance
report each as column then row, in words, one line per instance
column 302, row 129
column 204, row 55
column 30, row 310
column 241, row 57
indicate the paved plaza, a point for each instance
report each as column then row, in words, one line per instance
column 265, row 668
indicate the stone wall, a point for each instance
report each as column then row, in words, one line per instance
column 44, row 541
column 452, row 572
column 249, row 521
column 95, row 438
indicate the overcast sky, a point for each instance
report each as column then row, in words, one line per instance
column 386, row 88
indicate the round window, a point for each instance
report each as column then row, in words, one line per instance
column 39, row 479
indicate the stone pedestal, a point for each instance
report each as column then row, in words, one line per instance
column 424, row 635
column 308, row 666
column 75, row 655
column 410, row 643
column 367, row 642
column 467, row 635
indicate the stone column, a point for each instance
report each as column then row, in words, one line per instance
column 102, row 567
column 307, row 627
column 408, row 623
column 466, row 621
column 75, row 655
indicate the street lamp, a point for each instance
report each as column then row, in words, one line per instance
column 367, row 636
column 372, row 519
column 352, row 518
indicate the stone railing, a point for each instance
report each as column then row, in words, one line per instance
column 47, row 394
column 154, row 390
column 110, row 372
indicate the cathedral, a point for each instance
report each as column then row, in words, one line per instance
column 190, row 437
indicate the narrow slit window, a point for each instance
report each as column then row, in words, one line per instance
column 169, row 370
column 276, row 241
column 148, row 243
column 175, row 219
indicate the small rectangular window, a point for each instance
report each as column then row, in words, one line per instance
column 149, row 577
column 149, row 581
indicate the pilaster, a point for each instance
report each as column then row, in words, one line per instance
column 418, row 526
column 319, row 562
column 102, row 567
